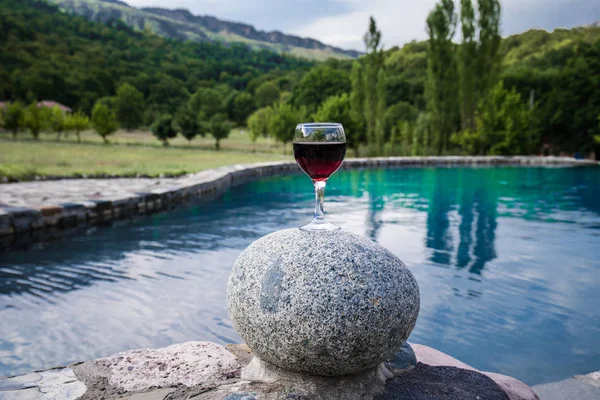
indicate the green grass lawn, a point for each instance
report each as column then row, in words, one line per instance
column 129, row 154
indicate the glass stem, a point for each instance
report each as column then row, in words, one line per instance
column 319, row 199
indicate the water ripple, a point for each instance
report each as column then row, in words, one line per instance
column 506, row 260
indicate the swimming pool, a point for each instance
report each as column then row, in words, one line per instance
column 506, row 259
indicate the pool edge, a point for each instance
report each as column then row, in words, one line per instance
column 21, row 226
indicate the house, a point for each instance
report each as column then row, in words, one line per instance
column 52, row 104
column 45, row 104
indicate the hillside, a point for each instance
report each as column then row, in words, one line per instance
column 47, row 54
column 181, row 24
column 532, row 46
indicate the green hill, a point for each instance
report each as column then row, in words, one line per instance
column 181, row 24
column 47, row 54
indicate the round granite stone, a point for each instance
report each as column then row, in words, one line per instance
column 326, row 303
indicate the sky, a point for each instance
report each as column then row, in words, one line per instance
column 342, row 23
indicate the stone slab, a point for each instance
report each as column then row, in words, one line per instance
column 54, row 384
column 426, row 382
column 579, row 388
column 186, row 364
column 159, row 394
column 515, row 389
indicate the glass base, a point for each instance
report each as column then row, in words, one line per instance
column 320, row 225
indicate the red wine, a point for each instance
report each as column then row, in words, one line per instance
column 319, row 159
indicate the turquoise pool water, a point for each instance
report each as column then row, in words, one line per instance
column 507, row 259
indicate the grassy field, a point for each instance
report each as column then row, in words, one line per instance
column 129, row 154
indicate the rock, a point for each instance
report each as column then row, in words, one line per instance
column 241, row 396
column 54, row 384
column 242, row 353
column 591, row 379
column 404, row 360
column 159, row 394
column 360, row 386
column 441, row 383
column 430, row 356
column 582, row 387
column 514, row 388
column 189, row 364
column 326, row 303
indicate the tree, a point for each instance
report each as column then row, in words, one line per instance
column 13, row 116
column 219, row 128
column 36, row 119
column 380, row 131
column 488, row 60
column 441, row 87
column 77, row 122
column 104, row 121
column 502, row 126
column 339, row 109
column 188, row 124
column 283, row 121
column 479, row 61
column 503, row 121
column 422, row 135
column 243, row 105
column 467, row 66
column 258, row 122
column 208, row 101
column 56, row 121
column 318, row 84
column 163, row 129
column 266, row 94
column 129, row 107
column 373, row 86
column 357, row 106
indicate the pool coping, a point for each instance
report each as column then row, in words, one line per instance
column 24, row 225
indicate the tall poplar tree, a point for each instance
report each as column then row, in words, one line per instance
column 441, row 85
column 479, row 60
column 488, row 57
column 374, row 106
column 467, row 66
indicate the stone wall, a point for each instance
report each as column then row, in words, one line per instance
column 24, row 220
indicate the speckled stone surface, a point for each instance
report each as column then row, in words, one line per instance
column 442, row 383
column 329, row 304
column 53, row 384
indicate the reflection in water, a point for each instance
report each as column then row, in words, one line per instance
column 506, row 260
column 376, row 203
column 478, row 212
column 440, row 205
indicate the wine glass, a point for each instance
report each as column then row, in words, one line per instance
column 319, row 149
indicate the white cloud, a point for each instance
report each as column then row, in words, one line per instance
column 399, row 20
column 402, row 20
column 342, row 23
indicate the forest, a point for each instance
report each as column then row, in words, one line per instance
column 465, row 90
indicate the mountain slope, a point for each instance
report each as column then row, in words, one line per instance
column 183, row 25
column 47, row 54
